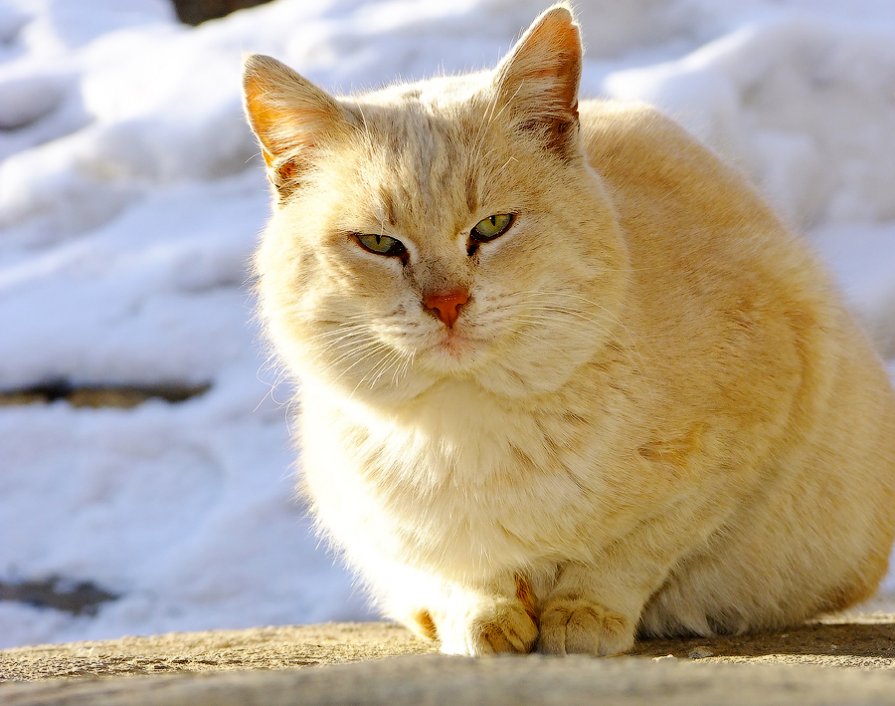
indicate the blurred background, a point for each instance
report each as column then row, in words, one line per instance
column 145, row 462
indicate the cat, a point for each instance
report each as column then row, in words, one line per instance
column 565, row 378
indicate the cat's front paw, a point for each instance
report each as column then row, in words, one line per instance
column 580, row 626
column 503, row 626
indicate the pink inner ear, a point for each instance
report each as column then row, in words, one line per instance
column 290, row 116
column 539, row 79
column 284, row 128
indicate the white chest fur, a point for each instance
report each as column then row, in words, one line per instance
column 455, row 484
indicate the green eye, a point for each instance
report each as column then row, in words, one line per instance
column 491, row 227
column 381, row 244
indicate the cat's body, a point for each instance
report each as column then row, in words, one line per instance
column 639, row 404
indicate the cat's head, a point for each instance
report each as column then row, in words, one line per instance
column 447, row 229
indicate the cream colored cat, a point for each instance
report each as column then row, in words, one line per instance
column 564, row 375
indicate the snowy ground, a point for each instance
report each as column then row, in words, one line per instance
column 131, row 196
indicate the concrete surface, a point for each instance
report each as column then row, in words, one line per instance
column 844, row 660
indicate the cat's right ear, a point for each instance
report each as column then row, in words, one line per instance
column 290, row 116
column 537, row 83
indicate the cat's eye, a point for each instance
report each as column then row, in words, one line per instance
column 381, row 244
column 491, row 227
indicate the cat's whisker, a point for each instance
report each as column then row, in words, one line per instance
column 487, row 120
column 349, row 350
column 630, row 346
column 271, row 364
column 343, row 320
column 269, row 393
column 559, row 308
column 376, row 371
column 525, row 303
column 504, row 165
column 395, row 360
column 338, row 342
column 371, row 351
column 535, row 316
column 344, row 349
column 631, row 338
column 347, row 329
column 478, row 140
column 367, row 134
column 404, row 370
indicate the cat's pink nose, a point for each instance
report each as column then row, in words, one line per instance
column 446, row 305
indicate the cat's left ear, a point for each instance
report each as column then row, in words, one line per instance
column 537, row 83
column 291, row 118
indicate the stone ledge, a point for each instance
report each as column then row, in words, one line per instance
column 833, row 662
column 256, row 648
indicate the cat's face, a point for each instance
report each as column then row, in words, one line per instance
column 419, row 239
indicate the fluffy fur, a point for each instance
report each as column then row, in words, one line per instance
column 652, row 413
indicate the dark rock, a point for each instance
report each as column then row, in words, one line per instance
column 75, row 597
column 194, row 12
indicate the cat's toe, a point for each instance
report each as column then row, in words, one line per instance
column 508, row 629
column 579, row 626
column 503, row 627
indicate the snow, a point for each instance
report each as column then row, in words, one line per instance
column 131, row 196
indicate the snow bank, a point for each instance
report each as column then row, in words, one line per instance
column 130, row 200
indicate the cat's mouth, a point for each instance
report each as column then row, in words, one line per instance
column 454, row 348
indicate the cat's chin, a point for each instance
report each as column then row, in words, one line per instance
column 453, row 352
